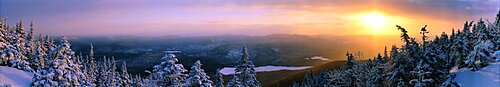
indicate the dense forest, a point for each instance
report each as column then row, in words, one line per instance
column 416, row 63
column 425, row 63
column 57, row 65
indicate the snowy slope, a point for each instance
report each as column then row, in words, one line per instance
column 15, row 77
column 486, row 77
column 496, row 56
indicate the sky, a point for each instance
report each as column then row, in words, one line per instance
column 244, row 17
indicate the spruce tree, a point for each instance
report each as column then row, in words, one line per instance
column 168, row 73
column 246, row 72
column 421, row 80
column 480, row 56
column 91, row 66
column 234, row 82
column 386, row 54
column 62, row 71
column 449, row 82
column 350, row 60
column 125, row 80
column 198, row 77
column 14, row 53
column 219, row 81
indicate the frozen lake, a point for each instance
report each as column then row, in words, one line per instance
column 319, row 58
column 230, row 70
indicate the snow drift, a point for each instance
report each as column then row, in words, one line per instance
column 486, row 77
column 14, row 77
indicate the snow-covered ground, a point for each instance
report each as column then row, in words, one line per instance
column 486, row 77
column 14, row 77
column 230, row 70
column 496, row 56
column 319, row 58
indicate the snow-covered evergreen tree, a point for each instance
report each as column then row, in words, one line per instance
column 376, row 73
column 3, row 42
column 397, row 68
column 15, row 58
column 350, row 60
column 168, row 73
column 421, row 80
column 125, row 80
column 480, row 56
column 138, row 81
column 246, row 72
column 386, row 54
column 114, row 75
column 310, row 80
column 340, row 78
column 102, row 76
column 62, row 71
column 91, row 66
column 41, row 56
column 234, row 82
column 13, row 50
column 449, row 82
column 219, row 81
column 198, row 77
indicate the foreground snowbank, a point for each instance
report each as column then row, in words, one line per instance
column 496, row 56
column 230, row 70
column 14, row 77
column 486, row 77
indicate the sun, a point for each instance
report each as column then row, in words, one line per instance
column 374, row 21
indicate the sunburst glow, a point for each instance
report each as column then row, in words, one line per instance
column 374, row 21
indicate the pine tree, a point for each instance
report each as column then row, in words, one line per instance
column 102, row 76
column 14, row 52
column 219, row 81
column 424, row 31
column 495, row 32
column 168, row 73
column 234, row 82
column 198, row 77
column 246, row 72
column 62, row 71
column 31, row 47
column 376, row 76
column 401, row 83
column 421, row 81
column 386, row 55
column 114, row 75
column 309, row 80
column 3, row 42
column 41, row 55
column 138, row 81
column 397, row 68
column 91, row 66
column 339, row 78
column 466, row 41
column 350, row 60
column 480, row 56
column 459, row 49
column 449, row 82
column 15, row 58
column 125, row 77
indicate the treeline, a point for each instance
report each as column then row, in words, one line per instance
column 425, row 63
column 56, row 65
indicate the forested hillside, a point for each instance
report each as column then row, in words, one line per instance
column 57, row 65
column 426, row 63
